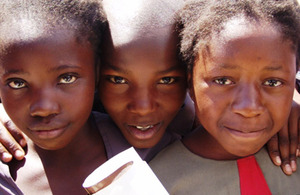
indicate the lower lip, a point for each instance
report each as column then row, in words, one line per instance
column 48, row 134
column 144, row 135
column 253, row 134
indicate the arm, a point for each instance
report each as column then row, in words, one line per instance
column 284, row 147
column 11, row 139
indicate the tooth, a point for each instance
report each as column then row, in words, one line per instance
column 144, row 128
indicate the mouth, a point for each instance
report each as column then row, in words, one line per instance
column 143, row 132
column 144, row 128
column 247, row 133
column 48, row 132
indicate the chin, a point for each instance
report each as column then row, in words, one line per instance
column 245, row 152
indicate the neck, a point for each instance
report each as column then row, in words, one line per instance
column 201, row 143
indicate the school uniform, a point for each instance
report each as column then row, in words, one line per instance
column 183, row 172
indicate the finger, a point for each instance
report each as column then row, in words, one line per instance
column 293, row 135
column 15, row 132
column 10, row 144
column 273, row 150
column 284, row 148
column 296, row 100
column 298, row 148
column 10, row 126
column 5, row 156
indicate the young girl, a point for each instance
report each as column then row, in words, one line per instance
column 142, row 82
column 48, row 53
column 242, row 61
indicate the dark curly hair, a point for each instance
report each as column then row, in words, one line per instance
column 26, row 20
column 200, row 19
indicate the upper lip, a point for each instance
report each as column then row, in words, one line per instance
column 143, row 124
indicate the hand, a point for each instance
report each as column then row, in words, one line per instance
column 284, row 147
column 11, row 139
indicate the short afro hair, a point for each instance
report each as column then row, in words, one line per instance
column 26, row 20
column 200, row 19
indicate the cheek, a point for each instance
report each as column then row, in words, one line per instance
column 171, row 96
column 112, row 103
column 279, row 109
column 78, row 100
column 16, row 108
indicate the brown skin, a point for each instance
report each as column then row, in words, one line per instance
column 39, row 80
column 10, row 138
column 143, row 84
column 237, row 90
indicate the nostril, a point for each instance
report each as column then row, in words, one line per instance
column 142, row 107
column 44, row 109
column 45, row 119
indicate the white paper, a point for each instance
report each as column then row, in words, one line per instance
column 136, row 179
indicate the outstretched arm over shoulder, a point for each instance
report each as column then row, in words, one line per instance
column 284, row 147
column 12, row 140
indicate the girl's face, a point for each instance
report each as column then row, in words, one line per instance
column 47, row 88
column 142, row 88
column 243, row 85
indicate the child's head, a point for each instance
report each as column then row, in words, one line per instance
column 47, row 66
column 142, row 83
column 242, row 62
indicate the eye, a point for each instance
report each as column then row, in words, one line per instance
column 16, row 84
column 223, row 81
column 167, row 80
column 272, row 83
column 117, row 80
column 67, row 79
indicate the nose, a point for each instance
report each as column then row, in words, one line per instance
column 142, row 101
column 44, row 103
column 248, row 101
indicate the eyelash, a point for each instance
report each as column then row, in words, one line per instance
column 222, row 81
column 272, row 83
column 121, row 80
column 269, row 82
column 68, row 77
column 171, row 80
column 16, row 83
column 116, row 80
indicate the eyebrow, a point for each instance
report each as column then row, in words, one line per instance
column 22, row 72
column 117, row 69
column 62, row 67
column 228, row 66
column 14, row 71
column 267, row 68
column 273, row 68
column 172, row 68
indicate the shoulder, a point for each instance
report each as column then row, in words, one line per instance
column 278, row 182
column 183, row 172
column 7, row 184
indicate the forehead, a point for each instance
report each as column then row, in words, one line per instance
column 241, row 26
column 133, row 19
column 240, row 34
column 61, row 45
column 155, row 46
